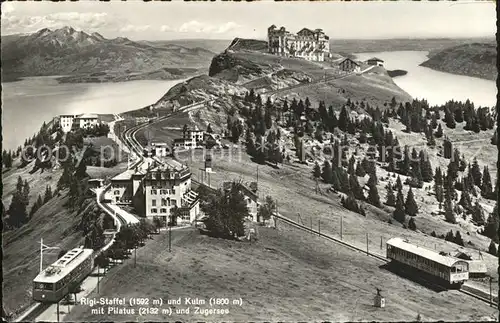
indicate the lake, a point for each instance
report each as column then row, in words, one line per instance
column 26, row 104
column 437, row 87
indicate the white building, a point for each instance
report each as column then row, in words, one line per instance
column 312, row 45
column 192, row 138
column 86, row 121
column 70, row 122
column 66, row 122
column 160, row 149
column 157, row 192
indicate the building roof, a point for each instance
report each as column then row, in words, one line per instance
column 126, row 175
column 63, row 265
column 159, row 144
column 348, row 59
column 426, row 253
column 87, row 116
column 376, row 59
column 305, row 30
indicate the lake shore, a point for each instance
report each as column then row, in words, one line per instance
column 51, row 98
column 421, row 82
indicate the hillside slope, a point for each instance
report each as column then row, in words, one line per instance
column 288, row 276
column 244, row 66
column 21, row 249
column 476, row 59
column 94, row 58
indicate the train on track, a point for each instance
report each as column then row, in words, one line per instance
column 57, row 280
column 446, row 271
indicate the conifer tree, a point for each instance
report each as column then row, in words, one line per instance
column 336, row 181
column 439, row 132
column 449, row 215
column 476, row 173
column 391, row 199
column 360, row 171
column 477, row 214
column 399, row 211
column 411, row 207
column 492, row 249
column 356, row 189
column 48, row 194
column 327, row 172
column 399, row 185
column 425, row 167
column 343, row 119
column 373, row 197
column 486, row 187
column 465, row 200
column 491, row 226
column 350, row 167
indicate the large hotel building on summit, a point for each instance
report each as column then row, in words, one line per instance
column 312, row 45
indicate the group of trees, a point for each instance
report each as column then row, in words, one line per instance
column 8, row 158
column 450, row 236
column 41, row 201
column 402, row 207
column 99, row 130
column 226, row 210
column 17, row 214
column 130, row 237
column 476, row 119
column 91, row 225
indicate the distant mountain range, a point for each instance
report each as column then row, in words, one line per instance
column 476, row 59
column 83, row 57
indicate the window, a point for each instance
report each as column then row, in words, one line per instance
column 153, row 192
column 174, row 202
column 163, row 202
column 153, row 202
column 154, row 210
column 117, row 192
column 163, row 210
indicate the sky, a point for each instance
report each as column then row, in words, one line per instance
column 156, row 20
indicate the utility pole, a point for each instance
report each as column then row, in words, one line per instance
column 257, row 177
column 57, row 311
column 319, row 227
column 490, row 290
column 169, row 238
column 311, row 221
column 276, row 218
column 42, row 249
column 380, row 242
column 367, row 253
column 341, row 227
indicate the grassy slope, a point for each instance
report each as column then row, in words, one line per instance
column 293, row 187
column 286, row 275
column 52, row 222
column 37, row 181
column 21, row 249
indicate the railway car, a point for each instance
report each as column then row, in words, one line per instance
column 56, row 281
column 447, row 271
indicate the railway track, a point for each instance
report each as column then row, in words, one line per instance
column 32, row 313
